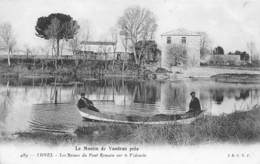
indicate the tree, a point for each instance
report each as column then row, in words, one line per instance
column 147, row 51
column 74, row 44
column 205, row 45
column 114, row 38
column 56, row 27
column 178, row 53
column 252, row 51
column 218, row 51
column 83, row 34
column 85, row 31
column 7, row 36
column 137, row 24
column 243, row 55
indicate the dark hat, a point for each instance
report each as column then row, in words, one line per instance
column 192, row 93
column 82, row 94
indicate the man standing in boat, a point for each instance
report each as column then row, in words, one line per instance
column 194, row 104
column 86, row 103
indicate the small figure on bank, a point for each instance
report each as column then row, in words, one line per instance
column 86, row 103
column 194, row 103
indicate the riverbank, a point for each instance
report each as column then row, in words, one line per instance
column 207, row 72
column 72, row 68
column 237, row 78
column 237, row 128
column 117, row 68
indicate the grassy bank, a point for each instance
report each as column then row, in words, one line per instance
column 237, row 78
column 70, row 67
column 239, row 127
column 207, row 72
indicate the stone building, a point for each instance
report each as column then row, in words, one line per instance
column 189, row 40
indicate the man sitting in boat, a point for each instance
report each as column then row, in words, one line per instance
column 194, row 104
column 86, row 103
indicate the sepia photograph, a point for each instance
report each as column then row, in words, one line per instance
column 129, row 81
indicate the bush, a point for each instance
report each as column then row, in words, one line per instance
column 162, row 70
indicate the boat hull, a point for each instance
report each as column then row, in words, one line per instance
column 93, row 116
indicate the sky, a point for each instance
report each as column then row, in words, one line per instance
column 229, row 23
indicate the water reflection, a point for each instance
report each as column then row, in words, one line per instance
column 244, row 94
column 28, row 104
column 217, row 95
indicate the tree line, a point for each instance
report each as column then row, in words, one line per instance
column 137, row 27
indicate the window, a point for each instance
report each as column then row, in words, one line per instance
column 169, row 41
column 183, row 40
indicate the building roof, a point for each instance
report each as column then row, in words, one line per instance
column 97, row 43
column 180, row 32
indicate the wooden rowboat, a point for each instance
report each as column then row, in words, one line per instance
column 185, row 118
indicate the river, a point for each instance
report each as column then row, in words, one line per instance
column 28, row 104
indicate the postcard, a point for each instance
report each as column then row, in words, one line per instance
column 130, row 81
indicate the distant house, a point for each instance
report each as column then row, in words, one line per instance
column 98, row 46
column 101, row 50
column 187, row 39
column 96, row 49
